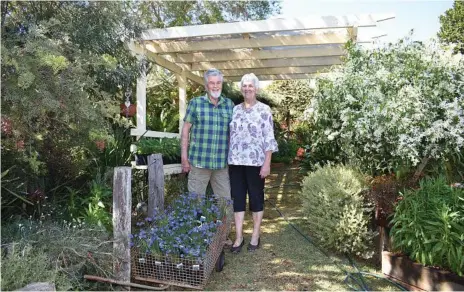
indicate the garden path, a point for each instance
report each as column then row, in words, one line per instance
column 286, row 260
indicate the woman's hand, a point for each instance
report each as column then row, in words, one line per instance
column 265, row 170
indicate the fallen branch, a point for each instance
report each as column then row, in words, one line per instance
column 111, row 281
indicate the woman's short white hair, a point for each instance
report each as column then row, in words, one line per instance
column 250, row 77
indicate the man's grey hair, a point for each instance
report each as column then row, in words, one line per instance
column 213, row 72
column 250, row 77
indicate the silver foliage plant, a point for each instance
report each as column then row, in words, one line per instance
column 337, row 212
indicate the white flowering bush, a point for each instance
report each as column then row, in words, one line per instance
column 391, row 106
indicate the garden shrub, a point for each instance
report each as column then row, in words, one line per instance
column 287, row 150
column 391, row 106
column 428, row 225
column 337, row 212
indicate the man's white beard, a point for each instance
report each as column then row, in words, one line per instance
column 215, row 94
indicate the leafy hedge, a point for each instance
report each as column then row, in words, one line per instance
column 338, row 214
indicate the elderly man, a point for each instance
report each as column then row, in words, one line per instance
column 204, row 154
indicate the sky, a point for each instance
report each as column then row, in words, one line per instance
column 420, row 15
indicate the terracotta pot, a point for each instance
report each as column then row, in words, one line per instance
column 128, row 111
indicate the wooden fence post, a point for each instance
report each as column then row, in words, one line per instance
column 155, row 184
column 122, row 204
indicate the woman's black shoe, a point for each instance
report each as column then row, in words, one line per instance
column 237, row 249
column 252, row 247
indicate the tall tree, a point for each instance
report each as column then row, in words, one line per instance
column 292, row 97
column 452, row 26
column 65, row 69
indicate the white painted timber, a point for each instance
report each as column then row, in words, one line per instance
column 153, row 134
column 253, row 64
column 262, row 42
column 227, row 55
column 168, row 168
column 141, row 119
column 278, row 77
column 279, row 70
column 140, row 50
column 270, row 25
column 182, row 81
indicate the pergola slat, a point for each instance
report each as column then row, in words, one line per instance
column 270, row 25
column 165, row 63
column 279, row 70
column 228, row 55
column 294, row 62
column 270, row 41
column 278, row 77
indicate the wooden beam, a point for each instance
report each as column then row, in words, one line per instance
column 153, row 134
column 279, row 70
column 138, row 49
column 182, row 82
column 227, row 55
column 122, row 204
column 155, row 184
column 141, row 92
column 262, row 42
column 253, row 64
column 270, row 25
column 277, row 77
column 353, row 33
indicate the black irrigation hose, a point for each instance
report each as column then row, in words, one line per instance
column 355, row 277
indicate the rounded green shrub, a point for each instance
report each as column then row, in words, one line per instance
column 336, row 209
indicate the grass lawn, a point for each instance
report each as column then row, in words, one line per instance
column 286, row 260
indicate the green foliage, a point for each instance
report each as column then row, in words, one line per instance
column 334, row 202
column 59, row 253
column 287, row 151
column 97, row 204
column 169, row 147
column 428, row 225
column 173, row 186
column 452, row 26
column 291, row 96
column 27, row 265
column 116, row 151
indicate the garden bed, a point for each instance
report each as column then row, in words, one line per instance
column 419, row 277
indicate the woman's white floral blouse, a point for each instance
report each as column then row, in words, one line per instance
column 251, row 135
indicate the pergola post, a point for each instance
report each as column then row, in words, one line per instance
column 142, row 96
column 182, row 81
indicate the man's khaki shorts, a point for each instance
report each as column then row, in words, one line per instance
column 198, row 179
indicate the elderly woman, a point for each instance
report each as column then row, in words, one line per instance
column 252, row 143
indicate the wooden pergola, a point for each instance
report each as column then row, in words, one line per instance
column 274, row 49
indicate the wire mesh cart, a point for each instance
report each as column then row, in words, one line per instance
column 178, row 271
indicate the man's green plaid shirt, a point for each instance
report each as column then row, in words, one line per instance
column 209, row 134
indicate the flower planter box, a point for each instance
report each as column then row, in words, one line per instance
column 190, row 273
column 418, row 277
